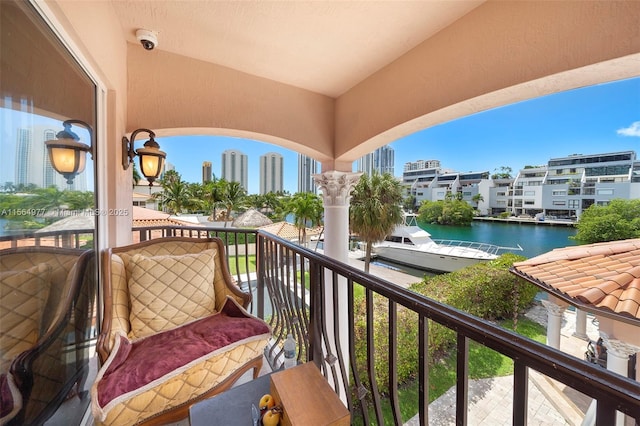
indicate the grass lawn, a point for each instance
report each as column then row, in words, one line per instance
column 483, row 363
column 242, row 264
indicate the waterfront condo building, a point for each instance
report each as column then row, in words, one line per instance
column 235, row 167
column 307, row 167
column 563, row 188
column 381, row 161
column 574, row 183
column 206, row 171
column 271, row 173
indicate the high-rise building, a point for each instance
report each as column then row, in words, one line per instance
column 32, row 161
column 421, row 165
column 271, row 173
column 307, row 167
column 206, row 172
column 235, row 167
column 381, row 160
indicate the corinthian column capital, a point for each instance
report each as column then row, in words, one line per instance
column 336, row 186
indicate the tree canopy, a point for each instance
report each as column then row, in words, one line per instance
column 502, row 172
column 446, row 212
column 619, row 220
column 375, row 209
column 307, row 210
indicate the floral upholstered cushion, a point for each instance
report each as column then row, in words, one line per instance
column 167, row 291
column 23, row 296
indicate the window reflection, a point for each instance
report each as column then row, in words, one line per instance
column 48, row 266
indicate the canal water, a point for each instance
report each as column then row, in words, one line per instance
column 534, row 239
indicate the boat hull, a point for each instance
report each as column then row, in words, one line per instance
column 442, row 262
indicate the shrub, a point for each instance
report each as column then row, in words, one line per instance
column 407, row 338
column 446, row 212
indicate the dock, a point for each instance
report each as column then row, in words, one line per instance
column 527, row 221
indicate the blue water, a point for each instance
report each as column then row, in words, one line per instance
column 534, row 239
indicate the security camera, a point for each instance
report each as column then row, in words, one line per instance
column 148, row 39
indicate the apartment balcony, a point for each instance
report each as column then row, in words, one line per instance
column 297, row 291
column 301, row 287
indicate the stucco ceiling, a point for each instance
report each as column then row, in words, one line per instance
column 323, row 46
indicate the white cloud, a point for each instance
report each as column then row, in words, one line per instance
column 633, row 130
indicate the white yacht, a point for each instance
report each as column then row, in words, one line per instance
column 411, row 245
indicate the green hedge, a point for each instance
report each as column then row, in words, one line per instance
column 487, row 290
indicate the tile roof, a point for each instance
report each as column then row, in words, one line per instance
column 149, row 217
column 602, row 276
column 288, row 231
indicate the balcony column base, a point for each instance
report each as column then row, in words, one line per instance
column 554, row 323
column 336, row 194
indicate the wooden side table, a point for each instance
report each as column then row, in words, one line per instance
column 304, row 393
column 307, row 398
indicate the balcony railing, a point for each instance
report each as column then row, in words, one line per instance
column 301, row 292
column 304, row 289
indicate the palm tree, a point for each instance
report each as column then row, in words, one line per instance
column 197, row 199
column 48, row 198
column 478, row 198
column 79, row 200
column 136, row 175
column 375, row 209
column 174, row 196
column 307, row 211
column 233, row 198
column 214, row 194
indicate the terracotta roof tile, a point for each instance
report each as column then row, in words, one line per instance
column 634, row 284
column 609, row 302
column 630, row 307
column 288, row 231
column 603, row 276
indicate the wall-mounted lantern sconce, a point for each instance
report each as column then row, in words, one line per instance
column 67, row 154
column 151, row 158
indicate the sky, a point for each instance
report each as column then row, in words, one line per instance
column 592, row 120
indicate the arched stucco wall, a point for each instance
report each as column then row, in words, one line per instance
column 168, row 91
column 499, row 53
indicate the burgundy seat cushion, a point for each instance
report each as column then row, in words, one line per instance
column 140, row 362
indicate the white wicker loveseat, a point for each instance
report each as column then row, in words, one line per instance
column 174, row 331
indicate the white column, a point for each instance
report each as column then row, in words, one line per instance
column 581, row 325
column 618, row 353
column 554, row 323
column 336, row 191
